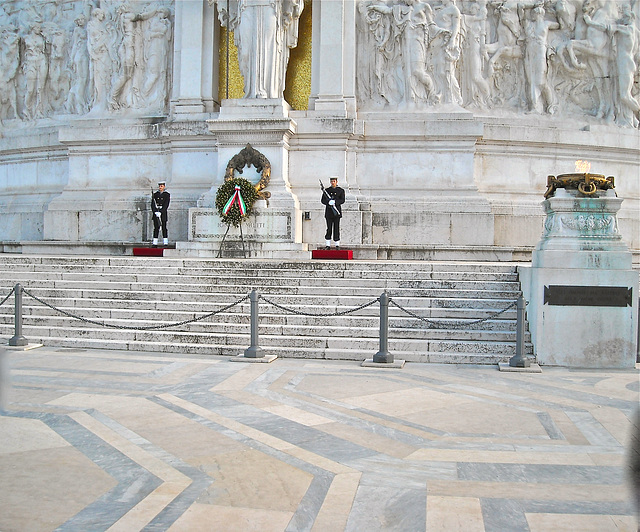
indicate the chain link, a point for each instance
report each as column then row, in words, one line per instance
column 8, row 296
column 452, row 324
column 299, row 313
column 125, row 327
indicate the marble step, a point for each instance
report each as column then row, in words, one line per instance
column 454, row 308
column 234, row 351
column 449, row 319
column 142, row 282
column 313, row 276
column 319, row 296
column 277, row 326
column 131, row 292
column 74, row 262
column 451, row 308
column 36, row 334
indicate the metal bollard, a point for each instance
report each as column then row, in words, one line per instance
column 383, row 356
column 18, row 339
column 254, row 351
column 520, row 360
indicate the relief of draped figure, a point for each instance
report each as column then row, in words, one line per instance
column 74, row 58
column 572, row 57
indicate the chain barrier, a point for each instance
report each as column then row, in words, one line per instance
column 125, row 327
column 430, row 322
column 452, row 324
column 8, row 296
column 320, row 315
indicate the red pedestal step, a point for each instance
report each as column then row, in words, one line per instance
column 332, row 254
column 148, row 252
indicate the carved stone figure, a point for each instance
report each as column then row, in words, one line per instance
column 9, row 64
column 77, row 100
column 36, row 69
column 99, row 44
column 411, row 25
column 476, row 91
column 447, row 52
column 384, row 82
column 264, row 33
column 124, row 93
column 508, row 31
column 595, row 48
column 156, row 51
column 626, row 44
column 58, row 83
column 535, row 60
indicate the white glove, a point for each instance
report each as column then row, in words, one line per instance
column 158, row 214
column 332, row 202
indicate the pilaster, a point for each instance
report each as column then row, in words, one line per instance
column 195, row 73
column 333, row 58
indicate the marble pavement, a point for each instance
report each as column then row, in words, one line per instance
column 109, row 440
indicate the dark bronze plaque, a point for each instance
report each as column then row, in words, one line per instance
column 588, row 296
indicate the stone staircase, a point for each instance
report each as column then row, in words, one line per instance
column 134, row 292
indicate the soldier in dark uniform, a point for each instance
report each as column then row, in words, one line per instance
column 333, row 198
column 159, row 205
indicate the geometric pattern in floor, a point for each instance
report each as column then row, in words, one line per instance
column 122, row 441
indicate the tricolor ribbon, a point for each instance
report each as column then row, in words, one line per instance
column 236, row 196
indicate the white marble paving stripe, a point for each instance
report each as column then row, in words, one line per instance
column 593, row 430
column 335, row 510
column 257, row 435
column 131, row 356
column 174, row 482
column 564, row 457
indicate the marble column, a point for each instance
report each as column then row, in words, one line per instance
column 333, row 58
column 195, row 88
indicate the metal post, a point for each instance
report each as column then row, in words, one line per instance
column 18, row 339
column 254, row 350
column 520, row 360
column 383, row 356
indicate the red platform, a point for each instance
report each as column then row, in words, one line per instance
column 332, row 254
column 148, row 252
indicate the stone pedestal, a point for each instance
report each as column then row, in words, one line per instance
column 582, row 292
column 265, row 124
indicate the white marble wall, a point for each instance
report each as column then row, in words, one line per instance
column 442, row 119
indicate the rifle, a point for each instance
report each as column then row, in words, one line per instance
column 335, row 209
column 154, row 205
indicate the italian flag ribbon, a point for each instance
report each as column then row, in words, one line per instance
column 236, row 197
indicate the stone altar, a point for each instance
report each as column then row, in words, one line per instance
column 581, row 290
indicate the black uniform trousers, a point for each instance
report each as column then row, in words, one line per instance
column 333, row 228
column 160, row 222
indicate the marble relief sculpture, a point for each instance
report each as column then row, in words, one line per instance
column 576, row 58
column 36, row 68
column 78, row 97
column 9, row 64
column 264, row 33
column 101, row 59
column 84, row 56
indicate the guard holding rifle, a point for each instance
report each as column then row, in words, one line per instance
column 159, row 205
column 333, row 198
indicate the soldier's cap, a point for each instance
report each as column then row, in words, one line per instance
column 334, row 178
column 162, row 183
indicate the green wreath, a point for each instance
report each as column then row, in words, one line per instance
column 235, row 199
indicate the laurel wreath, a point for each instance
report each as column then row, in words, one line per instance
column 224, row 194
